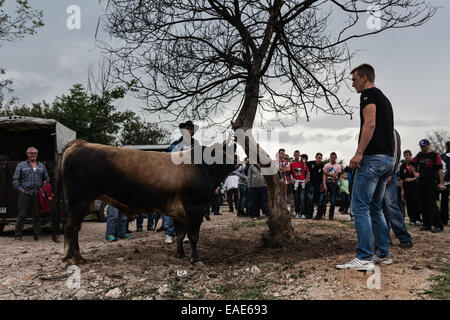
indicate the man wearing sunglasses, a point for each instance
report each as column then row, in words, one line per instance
column 28, row 178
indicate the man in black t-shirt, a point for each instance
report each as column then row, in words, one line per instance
column 409, row 182
column 315, row 186
column 427, row 167
column 374, row 161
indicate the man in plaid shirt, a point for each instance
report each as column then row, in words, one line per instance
column 28, row 179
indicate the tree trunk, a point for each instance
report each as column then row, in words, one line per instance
column 280, row 231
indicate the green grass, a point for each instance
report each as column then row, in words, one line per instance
column 349, row 224
column 440, row 288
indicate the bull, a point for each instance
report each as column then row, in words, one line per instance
column 136, row 181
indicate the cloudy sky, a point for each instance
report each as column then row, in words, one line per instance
column 412, row 69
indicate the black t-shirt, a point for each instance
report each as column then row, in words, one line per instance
column 315, row 172
column 427, row 164
column 382, row 141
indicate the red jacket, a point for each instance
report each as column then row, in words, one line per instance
column 45, row 196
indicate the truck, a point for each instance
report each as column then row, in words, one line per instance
column 17, row 133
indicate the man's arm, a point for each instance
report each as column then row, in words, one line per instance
column 239, row 173
column 367, row 130
column 16, row 179
column 441, row 179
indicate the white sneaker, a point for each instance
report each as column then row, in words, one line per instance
column 297, row 216
column 302, row 216
column 418, row 223
column 356, row 264
column 169, row 239
column 412, row 223
column 186, row 238
column 385, row 260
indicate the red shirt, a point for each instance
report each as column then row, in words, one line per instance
column 298, row 170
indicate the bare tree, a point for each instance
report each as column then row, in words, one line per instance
column 438, row 138
column 192, row 58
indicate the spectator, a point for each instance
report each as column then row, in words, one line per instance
column 426, row 166
column 345, row 192
column 444, row 194
column 258, row 192
column 299, row 173
column 373, row 161
column 140, row 221
column 231, row 188
column 409, row 184
column 28, row 178
column 215, row 204
column 392, row 213
column 315, row 187
column 283, row 164
column 185, row 142
column 332, row 171
column 116, row 225
column 243, row 190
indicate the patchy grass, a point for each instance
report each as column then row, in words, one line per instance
column 326, row 225
column 349, row 224
column 247, row 224
column 440, row 289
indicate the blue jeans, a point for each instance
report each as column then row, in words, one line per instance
column 366, row 205
column 312, row 191
column 243, row 199
column 392, row 213
column 140, row 220
column 116, row 223
column 169, row 226
column 332, row 187
column 299, row 200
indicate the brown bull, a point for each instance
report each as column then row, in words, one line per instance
column 136, row 181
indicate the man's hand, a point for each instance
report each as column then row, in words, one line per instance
column 409, row 179
column 356, row 160
column 441, row 186
column 388, row 182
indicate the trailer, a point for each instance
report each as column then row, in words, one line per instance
column 17, row 133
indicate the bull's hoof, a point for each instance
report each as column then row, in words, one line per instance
column 196, row 260
column 79, row 259
column 55, row 239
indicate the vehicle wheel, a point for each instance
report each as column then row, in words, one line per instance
column 102, row 212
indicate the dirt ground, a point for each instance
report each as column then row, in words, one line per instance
column 234, row 265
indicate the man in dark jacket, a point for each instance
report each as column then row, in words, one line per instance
column 445, row 192
column 409, row 182
column 427, row 167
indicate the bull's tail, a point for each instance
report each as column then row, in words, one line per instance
column 57, row 203
column 59, row 199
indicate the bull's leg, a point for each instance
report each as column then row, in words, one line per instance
column 194, row 218
column 180, row 230
column 76, row 214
